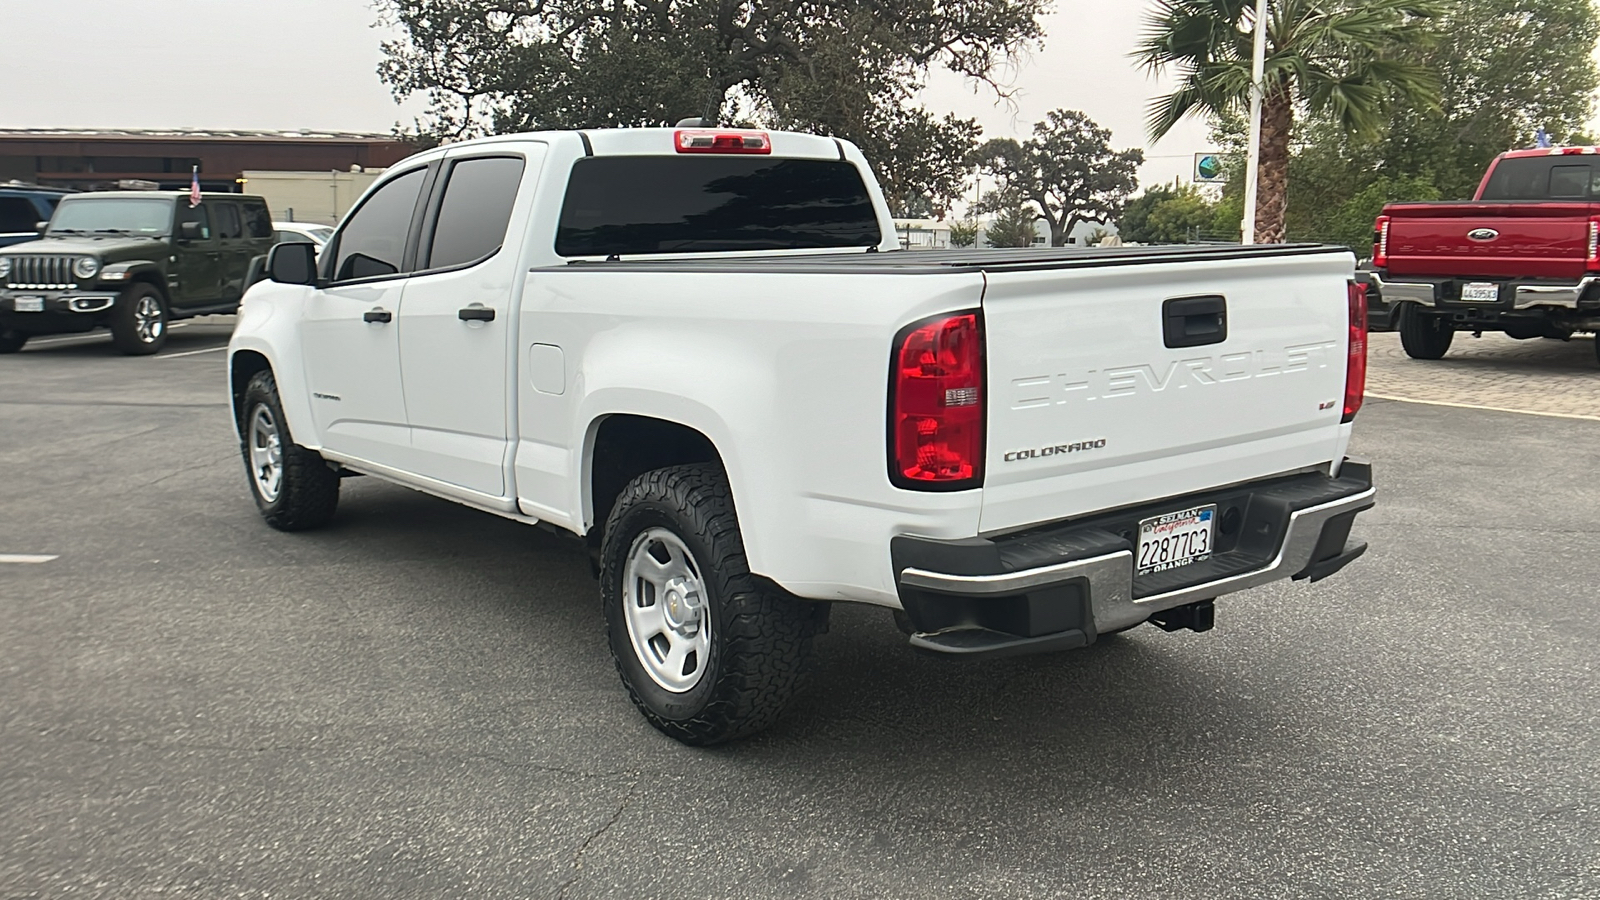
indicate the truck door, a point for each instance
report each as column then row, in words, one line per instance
column 350, row 328
column 196, row 276
column 233, row 251
column 459, row 321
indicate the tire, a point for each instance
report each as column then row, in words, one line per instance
column 293, row 487
column 1597, row 347
column 11, row 341
column 139, row 320
column 1424, row 336
column 716, row 654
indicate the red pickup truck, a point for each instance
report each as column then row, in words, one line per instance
column 1522, row 256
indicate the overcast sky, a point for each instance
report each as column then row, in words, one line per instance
column 290, row 64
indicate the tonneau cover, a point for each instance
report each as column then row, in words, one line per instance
column 944, row 261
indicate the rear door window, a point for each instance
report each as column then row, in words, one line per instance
column 1542, row 178
column 476, row 209
column 228, row 226
column 628, row 205
column 257, row 221
column 373, row 241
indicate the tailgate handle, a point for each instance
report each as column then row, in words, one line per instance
column 1195, row 321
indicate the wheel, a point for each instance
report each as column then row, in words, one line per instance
column 139, row 321
column 707, row 651
column 1596, row 347
column 11, row 341
column 1422, row 335
column 294, row 487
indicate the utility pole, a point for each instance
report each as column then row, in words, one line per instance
column 1258, row 74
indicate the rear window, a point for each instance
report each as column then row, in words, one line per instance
column 1543, row 178
column 629, row 205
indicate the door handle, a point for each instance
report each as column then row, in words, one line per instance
column 377, row 315
column 475, row 314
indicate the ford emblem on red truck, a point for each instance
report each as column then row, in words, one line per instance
column 1483, row 234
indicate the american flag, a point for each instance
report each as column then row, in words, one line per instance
column 194, row 189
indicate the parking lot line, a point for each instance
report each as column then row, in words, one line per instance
column 27, row 558
column 1505, row 409
column 191, row 352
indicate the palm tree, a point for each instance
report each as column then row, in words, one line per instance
column 1343, row 59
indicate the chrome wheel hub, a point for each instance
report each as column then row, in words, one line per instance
column 663, row 603
column 265, row 447
column 147, row 323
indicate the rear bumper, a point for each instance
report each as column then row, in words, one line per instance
column 1062, row 586
column 1514, row 295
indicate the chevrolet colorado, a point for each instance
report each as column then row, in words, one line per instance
column 1521, row 257
column 699, row 351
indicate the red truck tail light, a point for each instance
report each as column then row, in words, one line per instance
column 1355, row 367
column 1594, row 243
column 1380, row 242
column 736, row 142
column 936, row 404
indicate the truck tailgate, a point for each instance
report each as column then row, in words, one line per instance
column 1091, row 409
column 1489, row 240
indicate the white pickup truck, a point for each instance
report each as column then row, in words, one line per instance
column 701, row 352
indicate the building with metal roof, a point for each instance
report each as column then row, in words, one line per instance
column 101, row 159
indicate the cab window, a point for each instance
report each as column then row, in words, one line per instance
column 475, row 211
column 373, row 242
column 187, row 213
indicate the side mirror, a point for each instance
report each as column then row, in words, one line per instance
column 40, row 226
column 294, row 262
column 190, row 231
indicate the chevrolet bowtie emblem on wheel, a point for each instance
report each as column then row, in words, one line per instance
column 1483, row 234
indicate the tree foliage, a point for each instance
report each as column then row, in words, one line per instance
column 1067, row 170
column 1174, row 214
column 1505, row 67
column 1341, row 60
column 848, row 68
column 964, row 233
column 1012, row 225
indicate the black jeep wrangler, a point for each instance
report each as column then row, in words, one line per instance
column 132, row 262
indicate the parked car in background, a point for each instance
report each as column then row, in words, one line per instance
column 1522, row 257
column 701, row 352
column 132, row 262
column 301, row 231
column 23, row 207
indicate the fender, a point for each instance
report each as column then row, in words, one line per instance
column 266, row 325
column 129, row 270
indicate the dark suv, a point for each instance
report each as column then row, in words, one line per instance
column 132, row 262
column 23, row 207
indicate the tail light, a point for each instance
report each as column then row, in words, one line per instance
column 1355, row 367
column 1594, row 243
column 936, row 405
column 735, row 142
column 1380, row 243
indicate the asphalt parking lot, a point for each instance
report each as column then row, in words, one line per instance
column 418, row 702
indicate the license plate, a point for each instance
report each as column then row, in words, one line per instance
column 1176, row 539
column 1478, row 292
column 29, row 304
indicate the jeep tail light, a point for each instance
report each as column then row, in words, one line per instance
column 1355, row 367
column 936, row 404
column 1380, row 243
column 712, row 141
column 1594, row 243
